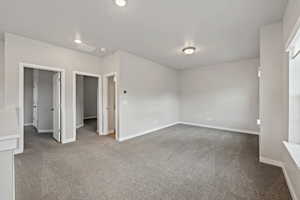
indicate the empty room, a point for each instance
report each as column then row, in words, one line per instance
column 146, row 100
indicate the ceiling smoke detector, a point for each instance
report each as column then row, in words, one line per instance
column 86, row 48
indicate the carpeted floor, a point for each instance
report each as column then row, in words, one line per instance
column 178, row 163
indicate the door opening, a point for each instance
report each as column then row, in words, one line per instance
column 41, row 104
column 87, row 106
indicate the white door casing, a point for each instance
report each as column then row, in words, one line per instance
column 21, row 102
column 35, row 98
column 110, row 110
column 56, row 106
column 99, row 102
column 111, row 105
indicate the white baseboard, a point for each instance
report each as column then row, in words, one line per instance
column 108, row 132
column 28, row 124
column 79, row 125
column 145, row 132
column 45, row 131
column 287, row 178
column 9, row 142
column 68, row 140
column 289, row 183
column 220, row 128
column 90, row 117
column 270, row 161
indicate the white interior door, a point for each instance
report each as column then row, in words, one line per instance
column 56, row 107
column 35, row 98
column 111, row 104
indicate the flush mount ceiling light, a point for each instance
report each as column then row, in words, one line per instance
column 102, row 49
column 77, row 41
column 120, row 3
column 189, row 50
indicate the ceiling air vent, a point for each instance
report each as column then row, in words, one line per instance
column 86, row 48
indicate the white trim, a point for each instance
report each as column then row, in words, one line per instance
column 270, row 161
column 79, row 125
column 28, row 124
column 9, row 142
column 45, row 130
column 21, row 100
column 146, row 132
column 293, row 36
column 289, row 183
column 14, row 177
column 287, row 178
column 99, row 102
column 105, row 89
column 108, row 132
column 220, row 128
column 90, row 117
column 9, row 137
column 69, row 140
column 294, row 151
column 87, row 74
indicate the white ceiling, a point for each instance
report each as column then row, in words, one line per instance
column 223, row 30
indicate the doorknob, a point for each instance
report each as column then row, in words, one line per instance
column 52, row 109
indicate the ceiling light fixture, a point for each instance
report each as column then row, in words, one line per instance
column 77, row 41
column 120, row 3
column 102, row 49
column 189, row 50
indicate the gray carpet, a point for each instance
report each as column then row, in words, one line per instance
column 179, row 163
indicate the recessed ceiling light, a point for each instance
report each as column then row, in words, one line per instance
column 77, row 41
column 102, row 49
column 120, row 3
column 189, row 50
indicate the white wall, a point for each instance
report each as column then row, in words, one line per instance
column 79, row 101
column 290, row 24
column 19, row 49
column 294, row 98
column 90, row 96
column 1, row 74
column 45, row 100
column 271, row 99
column 290, row 19
column 152, row 97
column 28, row 96
column 7, row 175
column 224, row 95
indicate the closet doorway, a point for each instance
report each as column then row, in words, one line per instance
column 87, row 105
column 41, row 105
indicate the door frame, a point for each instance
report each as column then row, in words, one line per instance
column 99, row 102
column 22, row 66
column 105, row 91
column 56, row 90
column 35, row 95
